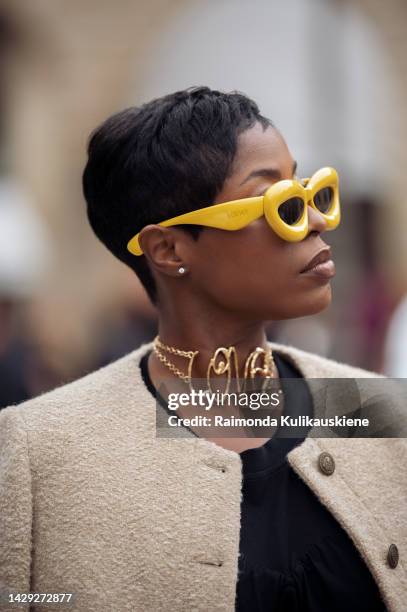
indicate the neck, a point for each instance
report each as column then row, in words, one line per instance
column 205, row 331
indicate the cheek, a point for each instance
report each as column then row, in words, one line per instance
column 238, row 266
column 254, row 272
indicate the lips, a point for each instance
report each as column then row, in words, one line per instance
column 321, row 264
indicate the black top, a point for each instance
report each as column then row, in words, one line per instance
column 294, row 555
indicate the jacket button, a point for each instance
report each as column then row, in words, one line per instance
column 393, row 556
column 326, row 464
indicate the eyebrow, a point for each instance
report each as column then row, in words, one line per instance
column 271, row 173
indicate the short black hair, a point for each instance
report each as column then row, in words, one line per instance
column 167, row 157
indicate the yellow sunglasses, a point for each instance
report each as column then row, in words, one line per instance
column 284, row 204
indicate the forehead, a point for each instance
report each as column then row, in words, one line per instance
column 258, row 148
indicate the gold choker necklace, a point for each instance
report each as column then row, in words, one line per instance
column 223, row 362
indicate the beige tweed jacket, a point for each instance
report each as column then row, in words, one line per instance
column 93, row 503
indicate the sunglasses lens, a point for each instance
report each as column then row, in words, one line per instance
column 323, row 199
column 291, row 210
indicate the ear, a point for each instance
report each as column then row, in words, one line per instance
column 163, row 247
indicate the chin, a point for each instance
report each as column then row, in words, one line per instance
column 319, row 302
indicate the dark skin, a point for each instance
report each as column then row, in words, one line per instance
column 235, row 281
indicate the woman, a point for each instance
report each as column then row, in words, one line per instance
column 94, row 503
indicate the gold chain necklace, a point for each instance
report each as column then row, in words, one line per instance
column 159, row 346
column 228, row 359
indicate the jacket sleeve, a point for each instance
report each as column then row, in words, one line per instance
column 15, row 507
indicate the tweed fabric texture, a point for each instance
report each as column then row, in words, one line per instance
column 91, row 502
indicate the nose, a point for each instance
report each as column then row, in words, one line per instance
column 316, row 222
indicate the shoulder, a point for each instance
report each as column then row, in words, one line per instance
column 312, row 365
column 96, row 393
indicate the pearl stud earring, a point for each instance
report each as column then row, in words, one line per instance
column 181, row 270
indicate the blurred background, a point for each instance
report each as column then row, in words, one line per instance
column 331, row 74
